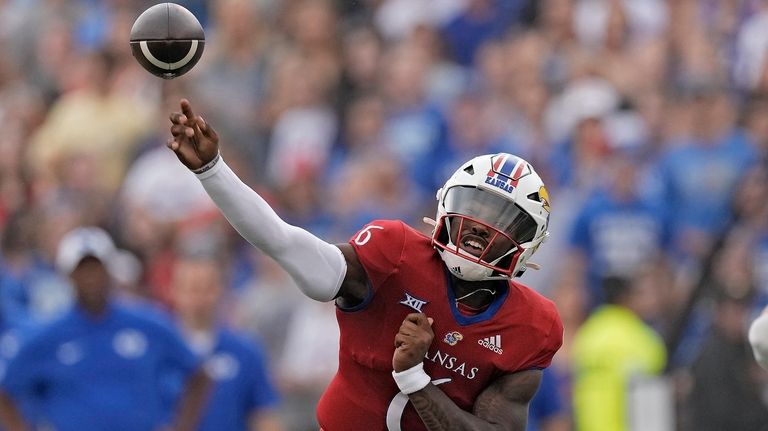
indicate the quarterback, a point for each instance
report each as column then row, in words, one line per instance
column 436, row 334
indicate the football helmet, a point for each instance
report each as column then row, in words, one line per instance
column 492, row 215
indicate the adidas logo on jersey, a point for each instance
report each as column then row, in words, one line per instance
column 492, row 343
column 456, row 269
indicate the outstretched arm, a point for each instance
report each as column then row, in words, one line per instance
column 321, row 270
column 501, row 406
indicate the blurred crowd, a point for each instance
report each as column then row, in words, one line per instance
column 647, row 120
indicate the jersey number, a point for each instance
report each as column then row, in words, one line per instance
column 397, row 406
column 365, row 235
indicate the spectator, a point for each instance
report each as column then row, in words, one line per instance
column 414, row 129
column 31, row 291
column 616, row 232
column 242, row 397
column 724, row 395
column 699, row 175
column 90, row 160
column 479, row 21
column 99, row 366
column 233, row 74
column 613, row 346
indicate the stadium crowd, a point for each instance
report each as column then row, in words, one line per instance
column 648, row 121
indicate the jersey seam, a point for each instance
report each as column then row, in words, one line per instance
column 545, row 347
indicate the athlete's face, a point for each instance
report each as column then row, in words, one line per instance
column 476, row 237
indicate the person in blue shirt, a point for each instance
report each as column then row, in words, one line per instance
column 98, row 367
column 31, row 291
column 243, row 396
column 617, row 231
column 698, row 176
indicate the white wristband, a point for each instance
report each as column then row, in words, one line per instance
column 411, row 380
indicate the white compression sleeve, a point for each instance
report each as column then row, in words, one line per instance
column 317, row 267
column 758, row 338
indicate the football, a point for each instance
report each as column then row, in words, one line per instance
column 167, row 40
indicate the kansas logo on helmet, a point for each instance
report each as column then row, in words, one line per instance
column 506, row 170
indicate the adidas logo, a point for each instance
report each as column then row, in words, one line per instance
column 456, row 269
column 492, row 343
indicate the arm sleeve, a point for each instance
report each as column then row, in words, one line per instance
column 317, row 267
column 758, row 338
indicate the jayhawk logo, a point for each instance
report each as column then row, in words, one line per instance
column 453, row 337
column 544, row 196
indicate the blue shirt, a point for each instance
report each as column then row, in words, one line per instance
column 617, row 237
column 417, row 135
column 31, row 294
column 81, row 373
column 547, row 402
column 698, row 181
column 241, row 383
column 466, row 33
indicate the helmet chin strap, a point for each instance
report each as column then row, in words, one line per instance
column 491, row 291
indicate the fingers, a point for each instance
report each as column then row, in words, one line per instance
column 178, row 130
column 172, row 144
column 203, row 127
column 178, row 118
column 416, row 326
column 186, row 108
column 419, row 319
column 201, row 124
column 401, row 340
column 187, row 118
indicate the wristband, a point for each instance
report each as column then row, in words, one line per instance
column 411, row 380
column 208, row 166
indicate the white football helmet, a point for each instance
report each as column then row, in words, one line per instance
column 492, row 201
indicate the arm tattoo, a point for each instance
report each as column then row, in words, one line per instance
column 501, row 406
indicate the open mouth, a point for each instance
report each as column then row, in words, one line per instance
column 473, row 244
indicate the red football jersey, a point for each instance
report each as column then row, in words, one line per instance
column 519, row 331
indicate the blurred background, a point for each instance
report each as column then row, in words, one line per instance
column 647, row 119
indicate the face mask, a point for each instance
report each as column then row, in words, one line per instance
column 468, row 270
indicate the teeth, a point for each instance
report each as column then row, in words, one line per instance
column 473, row 244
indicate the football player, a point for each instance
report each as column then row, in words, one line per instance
column 435, row 332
